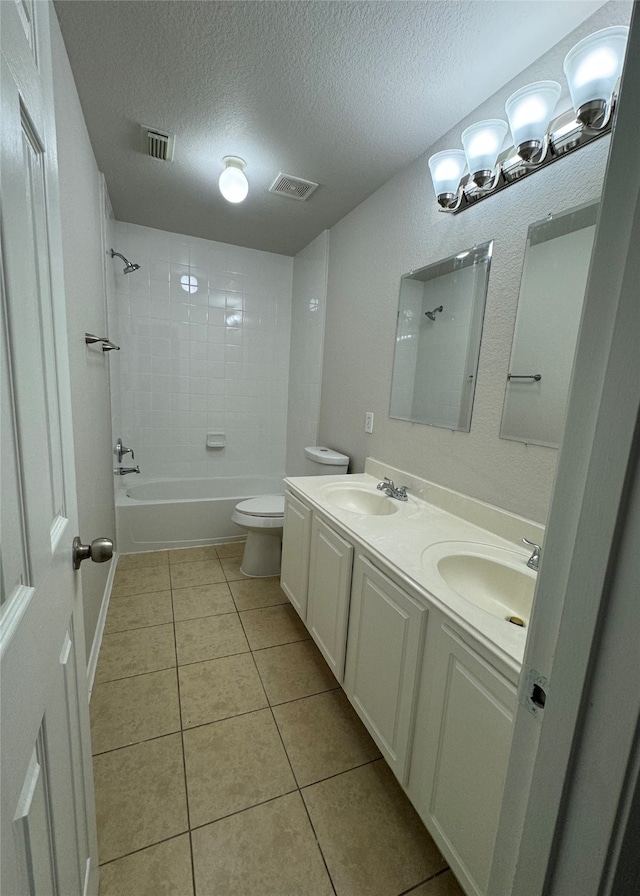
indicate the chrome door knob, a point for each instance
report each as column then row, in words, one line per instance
column 100, row 550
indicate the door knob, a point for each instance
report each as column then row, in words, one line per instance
column 100, row 550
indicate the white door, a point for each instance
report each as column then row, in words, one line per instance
column 48, row 842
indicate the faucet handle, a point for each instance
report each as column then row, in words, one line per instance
column 120, row 451
column 386, row 483
column 534, row 560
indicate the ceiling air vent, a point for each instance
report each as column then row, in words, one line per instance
column 158, row 144
column 293, row 187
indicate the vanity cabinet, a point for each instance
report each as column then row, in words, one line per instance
column 294, row 572
column 330, row 565
column 463, row 763
column 384, row 653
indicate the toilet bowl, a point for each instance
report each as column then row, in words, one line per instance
column 263, row 518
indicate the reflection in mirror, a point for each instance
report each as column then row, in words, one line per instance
column 554, row 278
column 440, row 315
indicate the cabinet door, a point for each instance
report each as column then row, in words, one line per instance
column 466, row 761
column 329, row 589
column 294, row 572
column 384, row 653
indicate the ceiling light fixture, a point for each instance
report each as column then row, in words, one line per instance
column 233, row 183
column 592, row 69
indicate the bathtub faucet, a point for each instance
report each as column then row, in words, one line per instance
column 122, row 471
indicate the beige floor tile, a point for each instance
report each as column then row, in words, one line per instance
column 138, row 611
column 134, row 709
column 293, row 671
column 269, row 850
column 137, row 561
column 218, row 689
column 190, row 555
column 249, row 594
column 231, row 566
column 231, row 549
column 209, row 637
column 234, row 764
column 202, row 600
column 140, row 796
column 202, row 572
column 270, row 626
column 442, row 885
column 362, row 807
column 135, row 652
column 160, row 870
column 323, row 736
column 141, row 580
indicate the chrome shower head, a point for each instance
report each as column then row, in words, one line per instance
column 432, row 314
column 131, row 266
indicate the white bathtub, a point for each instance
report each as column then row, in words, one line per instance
column 180, row 513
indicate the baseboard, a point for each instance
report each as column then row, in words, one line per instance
column 102, row 618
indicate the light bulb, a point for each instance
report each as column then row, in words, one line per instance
column 592, row 68
column 482, row 142
column 529, row 111
column 447, row 168
column 233, row 183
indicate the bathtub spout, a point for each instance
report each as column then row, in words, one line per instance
column 122, row 471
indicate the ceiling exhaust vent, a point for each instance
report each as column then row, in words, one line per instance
column 293, row 187
column 158, row 144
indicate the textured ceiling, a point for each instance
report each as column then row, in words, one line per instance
column 341, row 93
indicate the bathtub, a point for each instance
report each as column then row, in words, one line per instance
column 181, row 513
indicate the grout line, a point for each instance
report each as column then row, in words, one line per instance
column 143, row 848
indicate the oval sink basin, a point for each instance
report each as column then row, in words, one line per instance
column 494, row 579
column 359, row 500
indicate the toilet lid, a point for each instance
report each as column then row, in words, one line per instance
column 264, row 505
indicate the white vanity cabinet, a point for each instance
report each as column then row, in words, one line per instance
column 384, row 654
column 330, row 565
column 294, row 571
column 458, row 777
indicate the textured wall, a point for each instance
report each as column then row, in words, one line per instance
column 305, row 357
column 398, row 229
column 82, row 216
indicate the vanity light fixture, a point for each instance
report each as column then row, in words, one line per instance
column 592, row 69
column 233, row 182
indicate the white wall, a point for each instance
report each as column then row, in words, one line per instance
column 399, row 229
column 305, row 360
column 216, row 359
column 81, row 204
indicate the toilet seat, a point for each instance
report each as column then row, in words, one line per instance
column 263, row 505
column 264, row 512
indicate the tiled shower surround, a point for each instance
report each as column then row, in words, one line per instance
column 204, row 330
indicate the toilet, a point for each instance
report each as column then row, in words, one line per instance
column 263, row 517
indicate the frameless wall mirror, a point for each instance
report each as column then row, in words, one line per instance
column 440, row 315
column 554, row 278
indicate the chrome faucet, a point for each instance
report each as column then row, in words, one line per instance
column 120, row 451
column 387, row 486
column 534, row 560
column 122, row 471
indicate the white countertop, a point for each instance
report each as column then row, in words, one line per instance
column 400, row 539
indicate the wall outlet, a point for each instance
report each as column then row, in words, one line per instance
column 368, row 421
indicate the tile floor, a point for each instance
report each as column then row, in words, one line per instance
column 227, row 760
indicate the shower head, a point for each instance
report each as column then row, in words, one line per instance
column 432, row 314
column 131, row 266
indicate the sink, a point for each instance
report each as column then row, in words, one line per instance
column 359, row 500
column 497, row 580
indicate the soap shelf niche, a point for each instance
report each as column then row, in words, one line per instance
column 216, row 439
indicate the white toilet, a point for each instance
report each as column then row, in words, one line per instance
column 263, row 517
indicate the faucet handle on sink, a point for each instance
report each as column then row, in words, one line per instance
column 534, row 560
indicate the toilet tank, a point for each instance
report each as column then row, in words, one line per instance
column 319, row 461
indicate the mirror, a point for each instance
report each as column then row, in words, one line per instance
column 554, row 278
column 440, row 315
